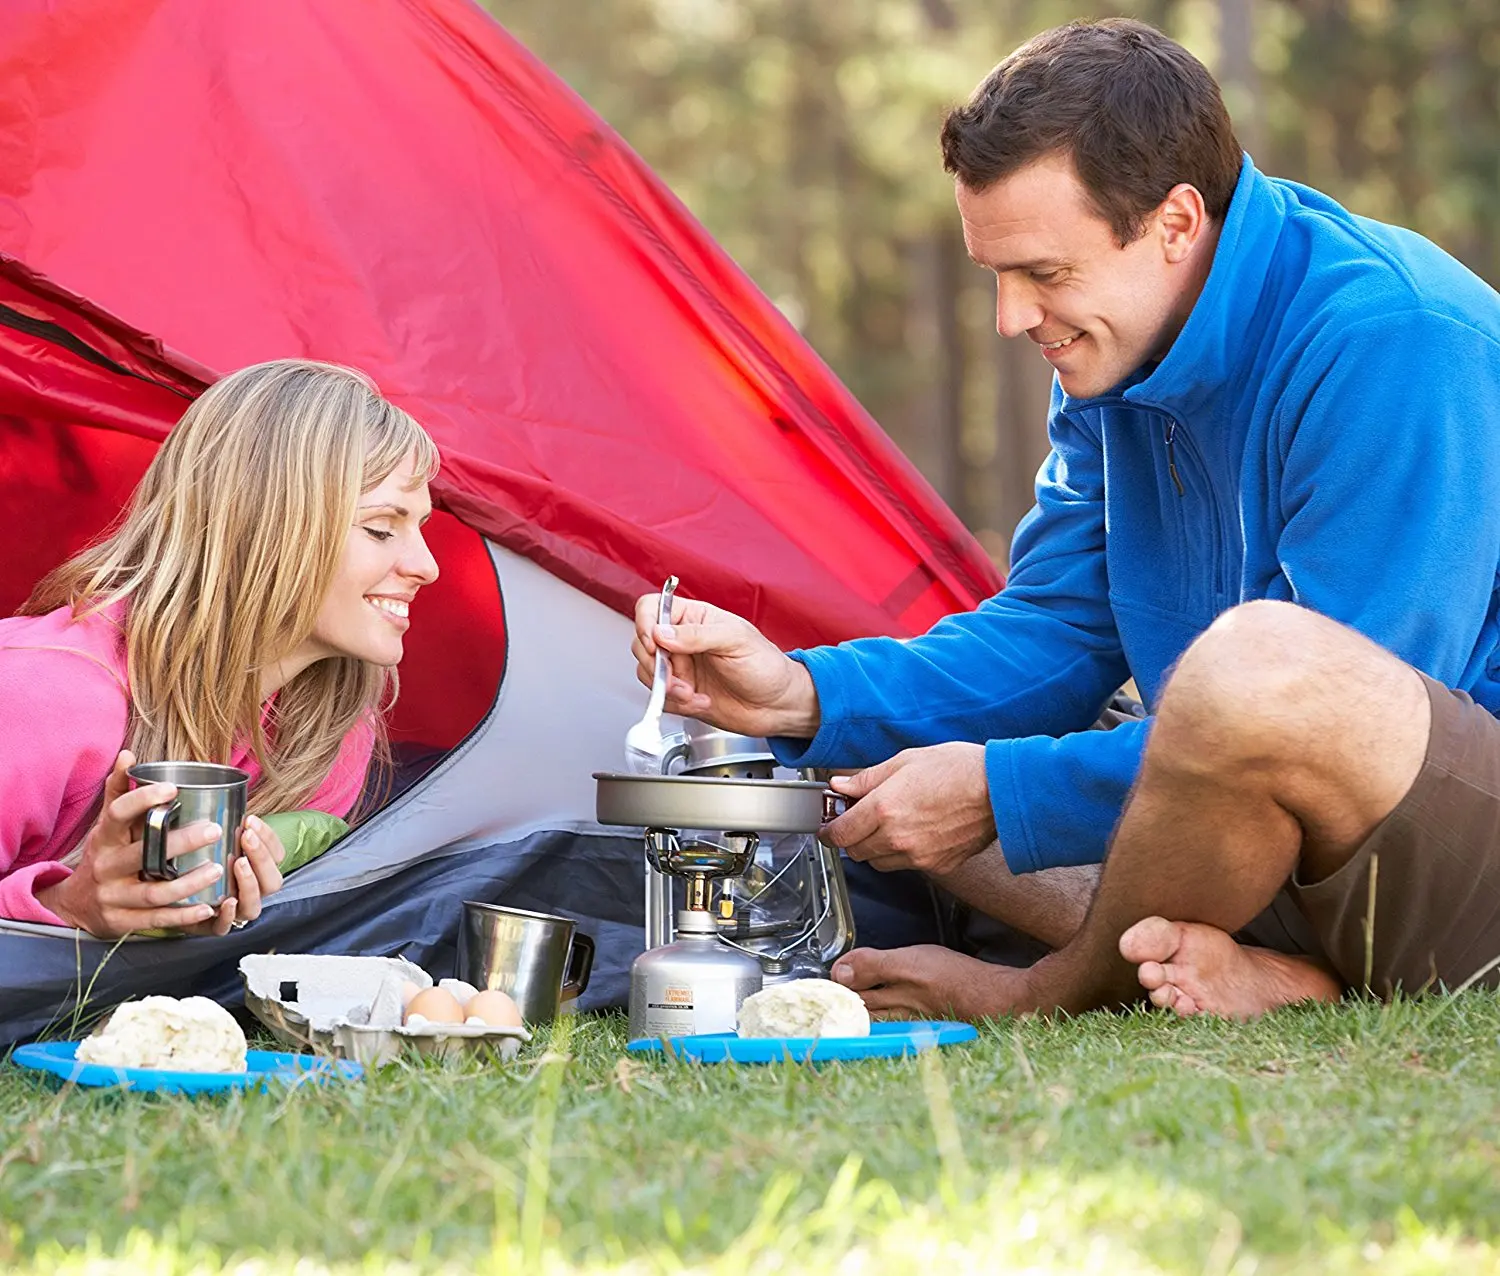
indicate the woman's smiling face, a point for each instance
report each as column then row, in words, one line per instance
column 384, row 563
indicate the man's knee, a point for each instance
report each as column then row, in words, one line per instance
column 1257, row 654
column 1264, row 680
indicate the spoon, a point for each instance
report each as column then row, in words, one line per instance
column 644, row 745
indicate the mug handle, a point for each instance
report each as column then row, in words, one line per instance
column 581, row 955
column 155, row 866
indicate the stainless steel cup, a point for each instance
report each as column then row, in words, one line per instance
column 539, row 959
column 205, row 791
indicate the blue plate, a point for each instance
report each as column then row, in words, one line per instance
column 886, row 1041
column 261, row 1066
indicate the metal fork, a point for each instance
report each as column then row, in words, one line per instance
column 644, row 745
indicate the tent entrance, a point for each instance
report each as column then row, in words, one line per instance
column 90, row 400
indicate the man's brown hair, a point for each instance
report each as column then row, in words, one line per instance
column 1136, row 112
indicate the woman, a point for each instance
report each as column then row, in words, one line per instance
column 249, row 609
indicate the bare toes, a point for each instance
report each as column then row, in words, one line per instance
column 1164, row 996
column 1151, row 939
column 887, row 1003
column 1152, row 975
column 1185, row 1007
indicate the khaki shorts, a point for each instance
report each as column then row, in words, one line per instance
column 1435, row 861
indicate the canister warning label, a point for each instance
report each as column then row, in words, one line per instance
column 672, row 1015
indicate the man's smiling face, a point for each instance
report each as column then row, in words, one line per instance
column 1097, row 310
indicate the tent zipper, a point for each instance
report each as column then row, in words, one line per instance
column 60, row 336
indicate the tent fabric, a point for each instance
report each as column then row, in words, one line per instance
column 399, row 185
column 84, row 401
column 57, row 987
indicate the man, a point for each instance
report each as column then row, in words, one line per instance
column 1273, row 497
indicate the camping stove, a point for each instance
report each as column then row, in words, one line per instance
column 696, row 982
column 764, row 900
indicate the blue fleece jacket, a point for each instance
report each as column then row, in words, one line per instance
column 1331, row 409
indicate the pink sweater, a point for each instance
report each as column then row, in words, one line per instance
column 64, row 704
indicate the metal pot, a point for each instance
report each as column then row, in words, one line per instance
column 705, row 802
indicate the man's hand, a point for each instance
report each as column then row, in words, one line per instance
column 927, row 809
column 724, row 671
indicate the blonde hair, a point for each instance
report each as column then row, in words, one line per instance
column 225, row 554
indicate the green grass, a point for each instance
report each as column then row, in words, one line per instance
column 1359, row 1138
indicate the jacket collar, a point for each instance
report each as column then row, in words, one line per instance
column 1203, row 358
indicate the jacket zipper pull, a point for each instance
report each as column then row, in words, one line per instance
column 1172, row 459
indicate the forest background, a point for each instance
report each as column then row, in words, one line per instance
column 803, row 134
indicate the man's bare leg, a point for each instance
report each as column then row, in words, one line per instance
column 1282, row 741
column 1049, row 905
column 1183, row 966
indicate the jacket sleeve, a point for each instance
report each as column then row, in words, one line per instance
column 18, row 901
column 1391, row 470
column 1058, row 800
column 1036, row 661
column 1389, row 457
column 62, row 721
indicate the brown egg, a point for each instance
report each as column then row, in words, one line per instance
column 436, row 1006
column 495, row 1008
column 409, row 989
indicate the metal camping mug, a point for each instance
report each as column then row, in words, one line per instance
column 537, row 958
column 205, row 791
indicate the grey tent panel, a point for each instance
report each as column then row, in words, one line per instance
column 594, row 879
column 413, row 913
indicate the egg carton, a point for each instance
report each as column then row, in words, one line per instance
column 350, row 1008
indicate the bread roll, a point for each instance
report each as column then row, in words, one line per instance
column 804, row 1008
column 193, row 1034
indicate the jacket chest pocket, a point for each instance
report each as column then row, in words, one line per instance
column 1168, row 546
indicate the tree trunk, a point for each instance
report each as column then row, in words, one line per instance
column 1237, row 71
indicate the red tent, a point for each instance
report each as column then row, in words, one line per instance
column 399, row 185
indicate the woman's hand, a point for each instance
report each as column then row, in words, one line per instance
column 105, row 895
column 256, row 873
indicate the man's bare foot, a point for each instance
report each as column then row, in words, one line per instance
column 931, row 982
column 1193, row 969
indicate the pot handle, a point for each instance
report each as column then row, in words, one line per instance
column 674, row 748
column 581, row 956
column 834, row 805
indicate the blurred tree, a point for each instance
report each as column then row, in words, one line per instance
column 804, row 136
